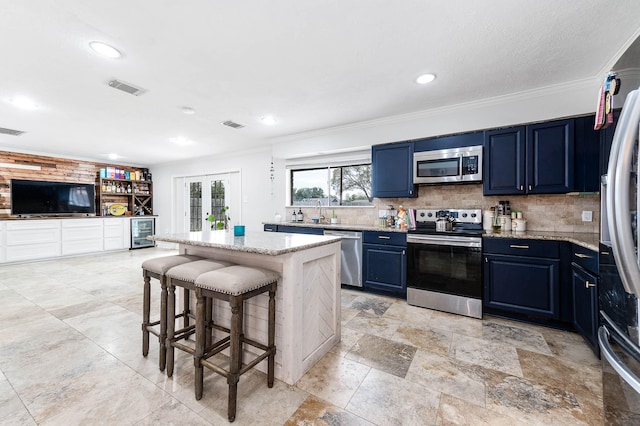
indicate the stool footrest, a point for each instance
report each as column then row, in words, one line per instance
column 183, row 347
column 184, row 333
column 216, row 347
column 151, row 329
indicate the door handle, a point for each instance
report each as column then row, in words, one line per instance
column 587, row 284
column 583, row 256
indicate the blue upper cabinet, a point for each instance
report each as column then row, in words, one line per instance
column 587, row 155
column 536, row 159
column 504, row 161
column 550, row 158
column 392, row 170
column 447, row 142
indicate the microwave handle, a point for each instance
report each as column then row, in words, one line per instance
column 460, row 166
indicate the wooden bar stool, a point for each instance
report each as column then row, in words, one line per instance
column 184, row 276
column 157, row 268
column 234, row 284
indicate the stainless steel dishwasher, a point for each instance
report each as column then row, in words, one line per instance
column 350, row 256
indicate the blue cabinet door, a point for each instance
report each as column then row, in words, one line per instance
column 504, row 161
column 384, row 268
column 585, row 305
column 587, row 153
column 550, row 157
column 522, row 285
column 392, row 170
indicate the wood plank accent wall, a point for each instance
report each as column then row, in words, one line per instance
column 51, row 169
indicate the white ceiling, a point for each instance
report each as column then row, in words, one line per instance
column 312, row 64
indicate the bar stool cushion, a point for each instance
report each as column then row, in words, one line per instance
column 236, row 280
column 190, row 271
column 160, row 265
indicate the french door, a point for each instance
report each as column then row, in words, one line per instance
column 206, row 197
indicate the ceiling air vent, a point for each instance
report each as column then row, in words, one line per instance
column 232, row 124
column 11, row 132
column 126, row 87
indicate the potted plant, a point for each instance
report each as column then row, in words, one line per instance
column 334, row 218
column 222, row 223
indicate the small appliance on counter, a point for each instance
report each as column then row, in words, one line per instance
column 444, row 261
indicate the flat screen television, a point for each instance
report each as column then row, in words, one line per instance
column 46, row 198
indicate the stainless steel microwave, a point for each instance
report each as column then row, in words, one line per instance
column 448, row 165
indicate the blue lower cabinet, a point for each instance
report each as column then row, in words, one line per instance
column 384, row 263
column 522, row 285
column 585, row 305
column 299, row 230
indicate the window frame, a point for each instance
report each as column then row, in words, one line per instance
column 328, row 188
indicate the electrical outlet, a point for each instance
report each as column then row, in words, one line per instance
column 587, row 215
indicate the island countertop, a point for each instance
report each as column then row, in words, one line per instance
column 267, row 243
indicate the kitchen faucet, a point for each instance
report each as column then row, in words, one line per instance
column 319, row 207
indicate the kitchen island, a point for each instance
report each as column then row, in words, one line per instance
column 307, row 299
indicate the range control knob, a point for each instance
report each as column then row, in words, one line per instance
column 473, row 215
column 464, row 215
column 421, row 214
column 429, row 214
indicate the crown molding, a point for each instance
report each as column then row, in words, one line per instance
column 552, row 90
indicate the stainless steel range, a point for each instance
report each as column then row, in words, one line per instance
column 444, row 261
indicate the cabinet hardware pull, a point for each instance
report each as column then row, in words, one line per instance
column 403, row 252
column 518, row 246
column 587, row 284
column 583, row 256
column 521, row 188
column 530, row 187
column 384, row 237
column 606, row 253
column 486, row 260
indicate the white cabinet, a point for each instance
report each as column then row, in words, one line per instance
column 23, row 240
column 32, row 239
column 116, row 233
column 3, row 244
column 81, row 236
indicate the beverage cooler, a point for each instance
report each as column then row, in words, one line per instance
column 141, row 228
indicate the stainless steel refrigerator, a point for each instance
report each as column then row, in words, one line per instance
column 619, row 286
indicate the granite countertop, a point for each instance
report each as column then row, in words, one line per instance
column 269, row 243
column 336, row 227
column 587, row 240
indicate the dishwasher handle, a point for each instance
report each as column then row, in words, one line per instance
column 345, row 235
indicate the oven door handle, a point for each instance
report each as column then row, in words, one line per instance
column 450, row 240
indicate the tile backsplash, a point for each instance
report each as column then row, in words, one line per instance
column 553, row 212
column 556, row 212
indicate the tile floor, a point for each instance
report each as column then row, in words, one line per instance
column 70, row 354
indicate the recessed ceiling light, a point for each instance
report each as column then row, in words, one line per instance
column 268, row 120
column 425, row 78
column 113, row 156
column 182, row 141
column 105, row 50
column 23, row 103
column 188, row 110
